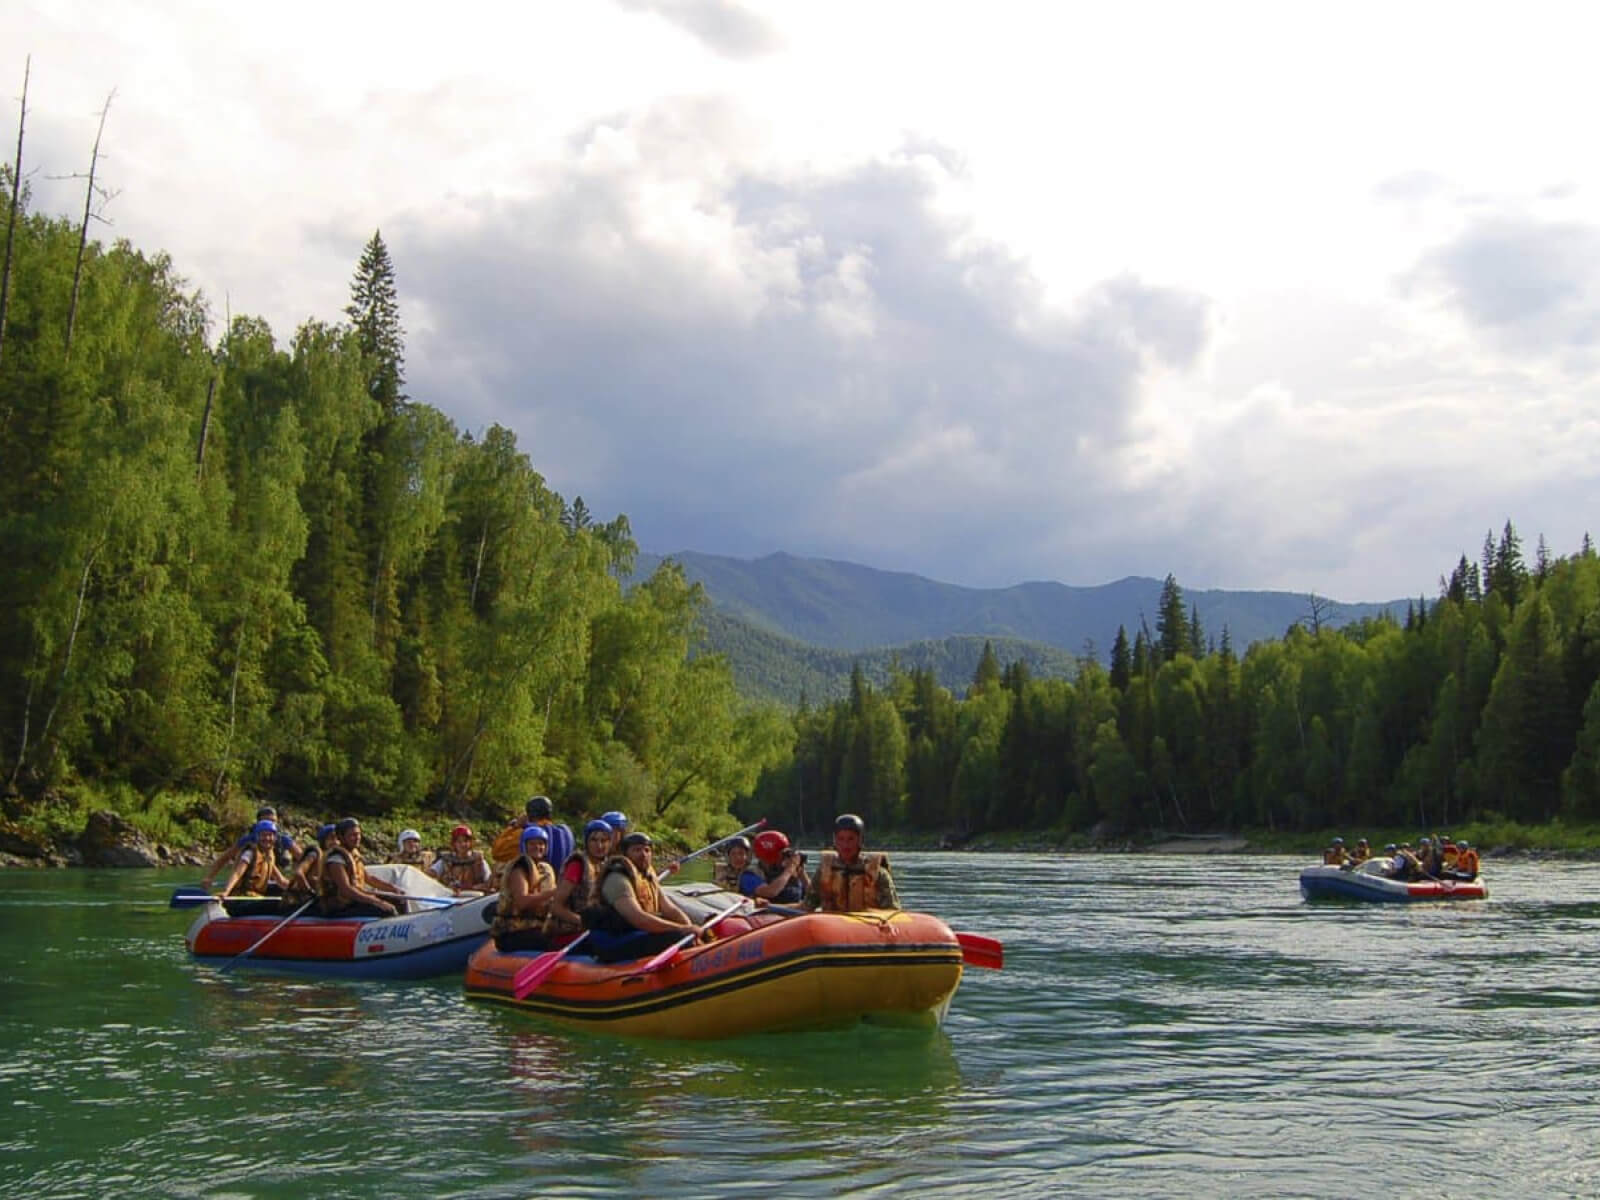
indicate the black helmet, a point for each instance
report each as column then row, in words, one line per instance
column 346, row 825
column 741, row 840
column 539, row 808
column 636, row 838
column 849, row 821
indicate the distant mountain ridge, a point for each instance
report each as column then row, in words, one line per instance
column 806, row 607
column 846, row 606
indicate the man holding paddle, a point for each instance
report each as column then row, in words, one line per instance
column 635, row 917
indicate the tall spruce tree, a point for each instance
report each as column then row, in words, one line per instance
column 1172, row 626
column 374, row 312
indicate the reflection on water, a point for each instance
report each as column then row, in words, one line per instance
column 1163, row 1026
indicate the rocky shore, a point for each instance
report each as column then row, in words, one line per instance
column 107, row 840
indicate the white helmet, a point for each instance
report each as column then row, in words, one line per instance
column 406, row 835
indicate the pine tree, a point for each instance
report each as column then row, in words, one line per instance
column 1121, row 661
column 988, row 670
column 1197, row 637
column 374, row 312
column 1172, row 628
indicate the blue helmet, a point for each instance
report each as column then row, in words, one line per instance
column 265, row 826
column 596, row 826
column 533, row 833
column 323, row 831
column 616, row 820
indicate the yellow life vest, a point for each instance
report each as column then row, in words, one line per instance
column 358, row 873
column 260, row 872
column 850, row 887
column 646, row 892
column 414, row 858
column 585, row 893
column 540, row 876
column 462, row 871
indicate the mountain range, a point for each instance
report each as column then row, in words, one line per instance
column 793, row 626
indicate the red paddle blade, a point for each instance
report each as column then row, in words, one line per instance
column 980, row 951
column 667, row 955
column 529, row 978
column 536, row 972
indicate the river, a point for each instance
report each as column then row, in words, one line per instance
column 1163, row 1026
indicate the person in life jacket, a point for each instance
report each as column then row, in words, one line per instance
column 1466, row 861
column 1334, row 855
column 538, row 811
column 1405, row 865
column 635, row 918
column 525, row 894
column 257, row 873
column 578, row 882
column 850, row 880
column 1449, row 854
column 780, row 871
column 1361, row 853
column 306, row 882
column 285, row 849
column 409, row 851
column 347, row 890
column 461, row 868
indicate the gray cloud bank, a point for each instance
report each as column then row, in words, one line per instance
column 823, row 363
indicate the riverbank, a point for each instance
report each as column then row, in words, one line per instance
column 190, row 832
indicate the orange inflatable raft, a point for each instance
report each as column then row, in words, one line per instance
column 766, row 972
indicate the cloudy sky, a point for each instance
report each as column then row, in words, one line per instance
column 1287, row 295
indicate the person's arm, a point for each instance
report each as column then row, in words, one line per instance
column 620, row 894
column 777, row 883
column 570, row 875
column 887, row 897
column 813, row 897
column 277, row 876
column 217, row 863
column 347, row 890
column 239, row 870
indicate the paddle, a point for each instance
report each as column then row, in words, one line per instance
column 251, row 950
column 191, row 896
column 673, row 866
column 672, row 951
column 980, row 951
column 536, row 972
column 976, row 950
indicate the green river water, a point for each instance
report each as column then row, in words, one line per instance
column 1163, row 1026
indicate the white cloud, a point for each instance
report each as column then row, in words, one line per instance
column 1048, row 292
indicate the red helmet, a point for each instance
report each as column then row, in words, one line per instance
column 460, row 831
column 770, row 847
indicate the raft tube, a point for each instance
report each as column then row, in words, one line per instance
column 431, row 940
column 766, row 973
column 1366, row 882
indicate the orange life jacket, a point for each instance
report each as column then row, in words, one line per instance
column 462, row 870
column 850, row 887
column 358, row 873
column 259, row 873
column 540, row 876
column 1467, row 862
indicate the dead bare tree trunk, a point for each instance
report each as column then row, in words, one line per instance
column 72, row 639
column 205, row 426
column 11, row 222
column 83, row 231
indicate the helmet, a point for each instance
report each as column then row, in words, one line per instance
column 849, row 821
column 596, row 826
column 1462, row 845
column 460, row 831
column 741, row 840
column 345, row 825
column 636, row 838
column 770, row 846
column 533, row 833
column 616, row 820
column 265, row 827
column 1338, row 841
column 324, row 830
column 266, row 813
column 406, row 835
column 1390, row 848
column 539, row 809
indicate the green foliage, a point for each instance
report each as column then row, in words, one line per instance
column 258, row 571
